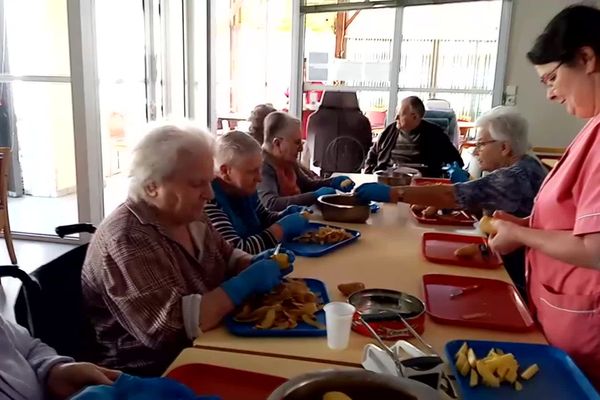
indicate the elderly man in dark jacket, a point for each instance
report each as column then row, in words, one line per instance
column 412, row 140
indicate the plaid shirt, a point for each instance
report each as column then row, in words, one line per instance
column 134, row 278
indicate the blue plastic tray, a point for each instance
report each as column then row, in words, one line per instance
column 558, row 378
column 318, row 250
column 303, row 329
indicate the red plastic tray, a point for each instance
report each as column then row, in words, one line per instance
column 227, row 383
column 430, row 181
column 459, row 220
column 493, row 305
column 439, row 248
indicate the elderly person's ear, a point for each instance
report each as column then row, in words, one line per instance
column 151, row 189
column 224, row 170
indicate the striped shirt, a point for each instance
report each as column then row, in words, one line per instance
column 134, row 279
column 253, row 244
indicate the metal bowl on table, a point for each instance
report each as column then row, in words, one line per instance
column 380, row 308
column 343, row 208
column 397, row 176
column 358, row 385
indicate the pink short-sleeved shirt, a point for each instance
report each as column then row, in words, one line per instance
column 564, row 297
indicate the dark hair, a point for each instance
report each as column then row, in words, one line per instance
column 416, row 104
column 257, row 120
column 277, row 123
column 571, row 29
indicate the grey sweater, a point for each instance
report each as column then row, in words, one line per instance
column 24, row 363
column 268, row 189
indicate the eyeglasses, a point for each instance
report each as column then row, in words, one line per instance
column 479, row 145
column 549, row 77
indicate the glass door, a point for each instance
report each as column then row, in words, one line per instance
column 36, row 117
column 140, row 51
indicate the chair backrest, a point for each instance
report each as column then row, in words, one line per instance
column 58, row 314
column 437, row 104
column 376, row 118
column 339, row 135
column 446, row 119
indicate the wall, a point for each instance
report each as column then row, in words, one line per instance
column 550, row 125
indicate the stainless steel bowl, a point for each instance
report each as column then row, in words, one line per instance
column 358, row 385
column 343, row 208
column 399, row 176
column 373, row 303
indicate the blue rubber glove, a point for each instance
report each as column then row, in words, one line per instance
column 294, row 209
column 260, row 277
column 456, row 173
column 324, row 191
column 293, row 225
column 337, row 183
column 373, row 192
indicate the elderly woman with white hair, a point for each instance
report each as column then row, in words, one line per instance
column 512, row 182
column 284, row 183
column 157, row 274
column 236, row 212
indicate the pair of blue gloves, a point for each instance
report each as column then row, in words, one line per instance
column 341, row 183
column 261, row 276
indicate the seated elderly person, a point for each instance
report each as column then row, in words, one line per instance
column 32, row 370
column 236, row 212
column 156, row 273
column 283, row 181
column 512, row 183
column 257, row 121
column 412, row 140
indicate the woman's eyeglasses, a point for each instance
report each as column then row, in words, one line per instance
column 549, row 77
column 479, row 145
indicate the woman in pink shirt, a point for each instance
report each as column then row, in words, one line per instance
column 562, row 234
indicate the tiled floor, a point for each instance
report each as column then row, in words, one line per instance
column 40, row 215
column 30, row 254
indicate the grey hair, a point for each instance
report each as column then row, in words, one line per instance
column 508, row 125
column 278, row 124
column 163, row 150
column 234, row 145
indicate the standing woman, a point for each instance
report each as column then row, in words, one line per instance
column 562, row 234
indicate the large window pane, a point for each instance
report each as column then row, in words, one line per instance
column 43, row 148
column 352, row 48
column 449, row 51
column 37, row 37
column 253, row 56
column 120, row 38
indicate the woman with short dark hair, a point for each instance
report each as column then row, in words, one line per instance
column 562, row 234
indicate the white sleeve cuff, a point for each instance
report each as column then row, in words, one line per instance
column 235, row 256
column 190, row 306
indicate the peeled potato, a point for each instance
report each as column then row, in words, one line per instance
column 474, row 379
column 335, row 396
column 282, row 259
column 530, row 372
column 486, row 226
column 468, row 251
column 348, row 288
column 430, row 212
column 345, row 183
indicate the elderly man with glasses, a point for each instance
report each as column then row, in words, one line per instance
column 512, row 182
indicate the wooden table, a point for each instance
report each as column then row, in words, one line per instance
column 549, row 162
column 282, row 367
column 388, row 255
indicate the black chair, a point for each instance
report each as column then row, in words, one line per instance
column 50, row 303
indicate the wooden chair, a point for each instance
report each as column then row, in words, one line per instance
column 4, row 221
